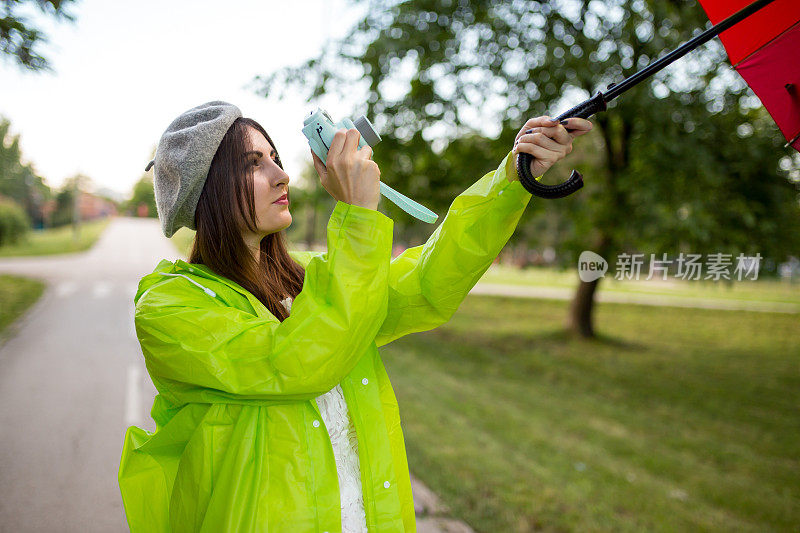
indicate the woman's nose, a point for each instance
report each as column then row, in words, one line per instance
column 283, row 178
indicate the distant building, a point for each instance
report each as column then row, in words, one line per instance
column 48, row 208
column 91, row 206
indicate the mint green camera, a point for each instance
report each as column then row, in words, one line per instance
column 319, row 129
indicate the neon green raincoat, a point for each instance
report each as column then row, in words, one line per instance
column 240, row 445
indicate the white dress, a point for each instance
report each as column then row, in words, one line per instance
column 342, row 432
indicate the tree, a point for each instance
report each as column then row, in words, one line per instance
column 685, row 162
column 67, row 210
column 143, row 194
column 19, row 180
column 20, row 39
column 14, row 223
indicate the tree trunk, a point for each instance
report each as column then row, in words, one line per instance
column 617, row 159
column 581, row 309
column 580, row 315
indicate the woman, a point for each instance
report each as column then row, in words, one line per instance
column 274, row 411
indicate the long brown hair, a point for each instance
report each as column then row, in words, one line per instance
column 225, row 203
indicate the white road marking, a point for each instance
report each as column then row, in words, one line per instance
column 66, row 288
column 101, row 289
column 132, row 396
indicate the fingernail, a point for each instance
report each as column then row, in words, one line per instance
column 564, row 122
column 528, row 131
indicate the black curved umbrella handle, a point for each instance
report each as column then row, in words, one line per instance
column 585, row 109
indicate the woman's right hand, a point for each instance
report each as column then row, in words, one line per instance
column 350, row 175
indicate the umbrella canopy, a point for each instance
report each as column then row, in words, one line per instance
column 764, row 49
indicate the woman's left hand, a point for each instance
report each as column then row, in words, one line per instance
column 548, row 141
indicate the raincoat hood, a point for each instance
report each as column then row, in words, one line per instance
column 167, row 267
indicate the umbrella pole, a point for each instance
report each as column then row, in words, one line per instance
column 615, row 90
column 598, row 102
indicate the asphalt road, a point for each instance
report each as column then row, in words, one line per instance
column 72, row 378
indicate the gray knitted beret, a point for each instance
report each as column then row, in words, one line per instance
column 183, row 157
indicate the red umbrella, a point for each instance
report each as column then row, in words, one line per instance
column 762, row 38
column 764, row 49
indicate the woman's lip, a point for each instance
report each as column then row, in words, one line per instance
column 281, row 199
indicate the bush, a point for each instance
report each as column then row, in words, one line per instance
column 14, row 222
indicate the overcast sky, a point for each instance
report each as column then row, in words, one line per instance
column 125, row 70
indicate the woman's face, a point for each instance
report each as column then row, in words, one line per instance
column 269, row 184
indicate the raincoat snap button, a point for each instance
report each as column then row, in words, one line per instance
column 386, row 484
column 501, row 192
column 315, row 423
column 365, row 381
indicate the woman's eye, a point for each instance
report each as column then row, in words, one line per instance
column 255, row 162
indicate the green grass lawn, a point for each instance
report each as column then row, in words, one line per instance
column 17, row 294
column 675, row 420
column 57, row 240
